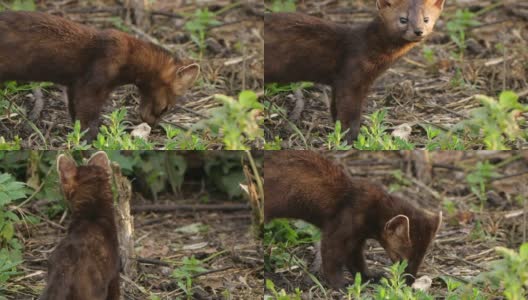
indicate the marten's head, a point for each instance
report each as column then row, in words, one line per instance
column 159, row 96
column 86, row 187
column 410, row 20
column 407, row 237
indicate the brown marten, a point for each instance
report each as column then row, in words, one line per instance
column 85, row 265
column 90, row 63
column 299, row 47
column 304, row 185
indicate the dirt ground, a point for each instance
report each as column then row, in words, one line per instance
column 222, row 239
column 465, row 243
column 233, row 61
column 414, row 91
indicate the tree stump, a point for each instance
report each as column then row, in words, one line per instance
column 419, row 163
column 254, row 190
column 137, row 12
column 125, row 222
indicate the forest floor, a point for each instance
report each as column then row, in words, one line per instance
column 434, row 84
column 464, row 245
column 232, row 61
column 227, row 260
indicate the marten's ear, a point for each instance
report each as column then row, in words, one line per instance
column 381, row 4
column 67, row 169
column 100, row 159
column 439, row 4
column 185, row 77
column 398, row 227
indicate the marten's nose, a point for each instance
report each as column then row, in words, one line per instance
column 418, row 32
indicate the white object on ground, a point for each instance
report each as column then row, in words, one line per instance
column 423, row 283
column 402, row 131
column 141, row 131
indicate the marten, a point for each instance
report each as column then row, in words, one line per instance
column 299, row 47
column 85, row 265
column 36, row 46
column 305, row 185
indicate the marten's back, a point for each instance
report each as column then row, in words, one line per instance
column 300, row 47
column 36, row 46
column 83, row 263
column 38, row 22
column 302, row 185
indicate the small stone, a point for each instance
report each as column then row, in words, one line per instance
column 402, row 131
column 141, row 131
column 423, row 283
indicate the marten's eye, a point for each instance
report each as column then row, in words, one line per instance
column 426, row 20
column 403, row 20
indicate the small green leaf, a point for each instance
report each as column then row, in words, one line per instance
column 523, row 251
column 508, row 99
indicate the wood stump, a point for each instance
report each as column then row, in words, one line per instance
column 124, row 222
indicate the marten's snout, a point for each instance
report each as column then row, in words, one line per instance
column 149, row 117
column 418, row 32
column 153, row 106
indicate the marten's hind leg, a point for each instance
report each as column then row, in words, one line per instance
column 332, row 253
column 113, row 289
column 70, row 96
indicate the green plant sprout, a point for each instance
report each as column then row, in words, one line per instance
column 375, row 136
column 283, row 6
column 510, row 273
column 178, row 139
column 499, row 122
column 479, row 178
column 272, row 89
column 335, row 139
column 114, row 136
column 197, row 26
column 184, row 274
column 12, row 145
column 280, row 295
column 19, row 5
column 457, row 27
column 10, row 247
column 236, row 122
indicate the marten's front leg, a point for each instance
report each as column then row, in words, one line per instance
column 71, row 102
column 88, row 103
column 348, row 105
column 355, row 262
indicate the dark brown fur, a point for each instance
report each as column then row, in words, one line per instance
column 90, row 63
column 299, row 47
column 304, row 185
column 85, row 265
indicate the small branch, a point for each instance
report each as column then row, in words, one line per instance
column 149, row 38
column 152, row 261
column 299, row 106
column 509, row 176
column 188, row 207
column 212, row 271
column 34, row 115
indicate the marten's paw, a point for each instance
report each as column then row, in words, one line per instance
column 373, row 276
column 335, row 280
